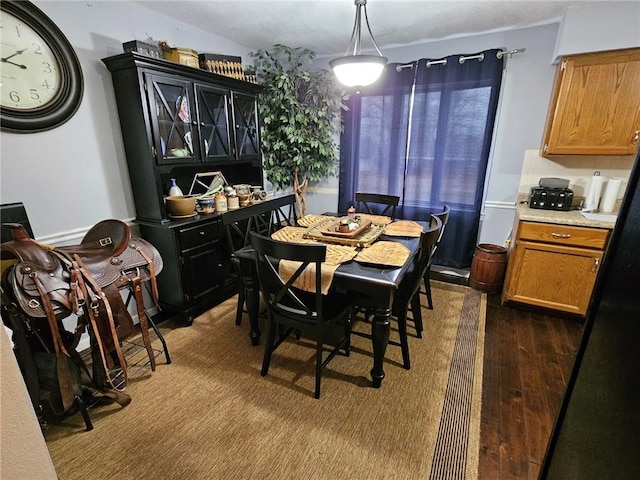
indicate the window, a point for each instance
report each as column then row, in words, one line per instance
column 424, row 133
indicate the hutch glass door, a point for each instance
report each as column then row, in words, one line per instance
column 213, row 118
column 171, row 116
column 245, row 112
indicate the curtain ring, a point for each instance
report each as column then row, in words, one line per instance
column 479, row 57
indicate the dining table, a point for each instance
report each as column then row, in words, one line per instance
column 371, row 286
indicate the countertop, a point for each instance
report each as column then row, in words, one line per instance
column 572, row 217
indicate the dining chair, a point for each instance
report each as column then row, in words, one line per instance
column 407, row 295
column 238, row 224
column 292, row 310
column 444, row 218
column 377, row 204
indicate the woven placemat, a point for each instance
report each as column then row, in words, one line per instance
column 390, row 254
column 366, row 238
column 337, row 254
column 291, row 235
column 379, row 219
column 307, row 279
column 403, row 228
column 312, row 219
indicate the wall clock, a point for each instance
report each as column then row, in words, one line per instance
column 42, row 82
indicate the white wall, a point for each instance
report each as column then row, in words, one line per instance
column 73, row 176
column 594, row 28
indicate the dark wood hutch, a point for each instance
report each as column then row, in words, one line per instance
column 178, row 121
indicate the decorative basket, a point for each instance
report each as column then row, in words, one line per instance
column 148, row 49
column 250, row 77
column 184, row 56
column 227, row 65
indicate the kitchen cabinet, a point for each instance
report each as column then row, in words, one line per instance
column 177, row 121
column 595, row 105
column 554, row 266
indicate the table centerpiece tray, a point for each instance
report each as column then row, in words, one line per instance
column 332, row 228
column 326, row 231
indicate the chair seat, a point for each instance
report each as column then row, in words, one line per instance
column 334, row 307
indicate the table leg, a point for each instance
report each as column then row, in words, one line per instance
column 252, row 297
column 380, row 339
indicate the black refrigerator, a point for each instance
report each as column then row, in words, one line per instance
column 597, row 433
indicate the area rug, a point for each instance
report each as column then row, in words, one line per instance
column 210, row 415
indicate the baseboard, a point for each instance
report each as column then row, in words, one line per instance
column 450, row 275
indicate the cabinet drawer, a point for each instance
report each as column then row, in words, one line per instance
column 199, row 235
column 564, row 234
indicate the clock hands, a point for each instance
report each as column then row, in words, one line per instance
column 6, row 59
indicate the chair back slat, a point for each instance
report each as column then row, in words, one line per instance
column 428, row 242
column 377, row 204
column 238, row 225
column 282, row 297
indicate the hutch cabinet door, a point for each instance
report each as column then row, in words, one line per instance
column 203, row 271
column 245, row 116
column 174, row 133
column 213, row 120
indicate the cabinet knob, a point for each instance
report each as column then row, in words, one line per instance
column 561, row 235
column 596, row 262
column 201, row 233
column 636, row 134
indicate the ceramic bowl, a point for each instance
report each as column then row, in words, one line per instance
column 181, row 205
column 206, row 205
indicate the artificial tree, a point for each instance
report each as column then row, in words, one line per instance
column 300, row 112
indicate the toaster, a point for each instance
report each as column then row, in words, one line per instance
column 548, row 198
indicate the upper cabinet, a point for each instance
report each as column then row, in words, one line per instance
column 178, row 121
column 595, row 105
column 196, row 122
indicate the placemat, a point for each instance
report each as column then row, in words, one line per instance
column 337, row 254
column 307, row 279
column 379, row 219
column 312, row 219
column 390, row 254
column 291, row 235
column 403, row 228
column 364, row 239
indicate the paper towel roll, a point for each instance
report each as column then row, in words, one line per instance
column 592, row 198
column 610, row 196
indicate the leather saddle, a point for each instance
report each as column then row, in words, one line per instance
column 85, row 279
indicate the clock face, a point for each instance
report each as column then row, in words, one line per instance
column 30, row 72
column 41, row 79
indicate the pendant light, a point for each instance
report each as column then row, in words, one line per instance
column 355, row 69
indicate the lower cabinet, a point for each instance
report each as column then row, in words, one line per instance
column 197, row 272
column 554, row 266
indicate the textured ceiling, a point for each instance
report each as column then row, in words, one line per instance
column 325, row 25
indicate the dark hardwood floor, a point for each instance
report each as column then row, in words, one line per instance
column 527, row 362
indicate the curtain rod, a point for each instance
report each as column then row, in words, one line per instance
column 499, row 54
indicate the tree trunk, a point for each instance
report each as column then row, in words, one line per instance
column 299, row 189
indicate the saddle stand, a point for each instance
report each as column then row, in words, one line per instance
column 86, row 280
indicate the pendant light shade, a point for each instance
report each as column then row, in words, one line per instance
column 355, row 69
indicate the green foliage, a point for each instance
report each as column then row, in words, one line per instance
column 300, row 112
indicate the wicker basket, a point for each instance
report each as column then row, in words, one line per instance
column 227, row 65
column 184, row 56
